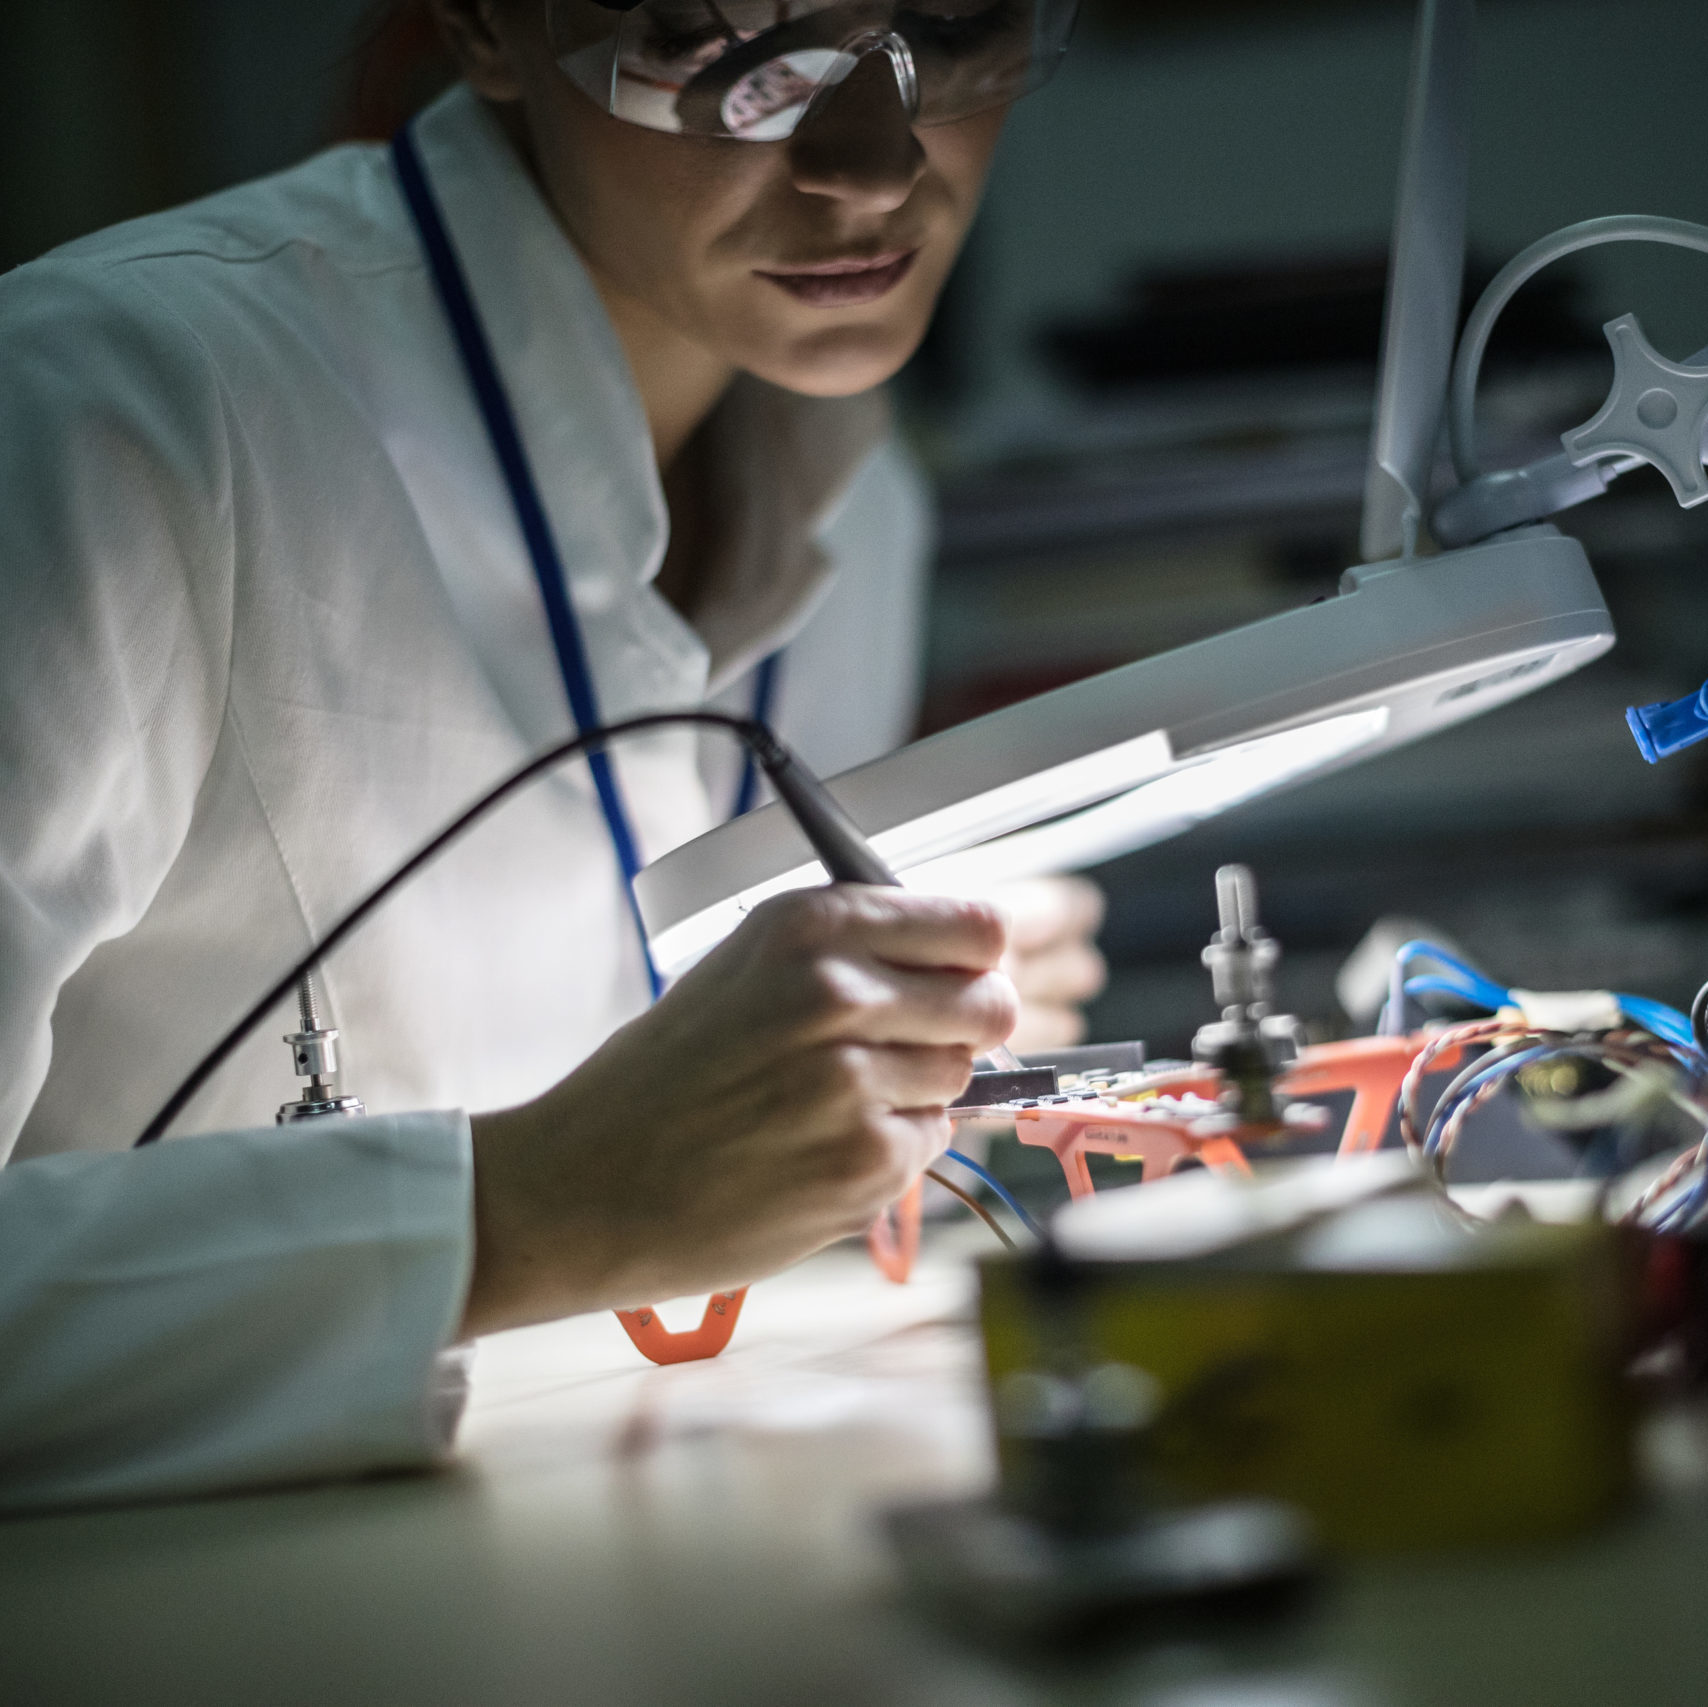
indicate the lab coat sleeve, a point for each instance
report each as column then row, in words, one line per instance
column 218, row 1311
column 117, row 520
column 232, row 1310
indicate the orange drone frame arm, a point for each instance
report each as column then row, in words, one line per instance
column 1372, row 1068
column 893, row 1241
column 654, row 1340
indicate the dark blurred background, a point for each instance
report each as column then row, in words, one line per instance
column 1146, row 404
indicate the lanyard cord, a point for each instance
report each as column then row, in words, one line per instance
column 472, row 344
column 482, row 370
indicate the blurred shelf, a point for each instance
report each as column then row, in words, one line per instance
column 1058, row 473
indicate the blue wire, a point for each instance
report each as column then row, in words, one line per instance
column 1684, row 1208
column 1472, row 983
column 1501, row 1069
column 1001, row 1191
column 1421, row 949
column 1666, row 1023
column 1463, row 981
column 1455, row 978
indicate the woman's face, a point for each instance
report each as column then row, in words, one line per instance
column 813, row 263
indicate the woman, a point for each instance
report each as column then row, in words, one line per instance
column 276, row 613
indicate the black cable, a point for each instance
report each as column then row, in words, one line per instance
column 1699, row 1019
column 839, row 845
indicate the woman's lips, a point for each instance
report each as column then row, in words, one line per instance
column 846, row 283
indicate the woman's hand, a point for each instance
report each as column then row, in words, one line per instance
column 1052, row 957
column 777, row 1098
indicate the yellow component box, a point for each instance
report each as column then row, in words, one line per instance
column 1461, row 1393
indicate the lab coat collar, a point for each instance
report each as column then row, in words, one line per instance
column 780, row 462
column 568, row 380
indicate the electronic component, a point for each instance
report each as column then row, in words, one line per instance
column 1084, row 1062
column 1004, row 1085
column 1246, row 1087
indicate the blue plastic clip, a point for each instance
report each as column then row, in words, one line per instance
column 1666, row 726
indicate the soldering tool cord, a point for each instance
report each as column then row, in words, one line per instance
column 841, row 848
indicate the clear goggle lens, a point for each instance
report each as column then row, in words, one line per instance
column 751, row 69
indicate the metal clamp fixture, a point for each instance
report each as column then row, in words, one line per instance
column 314, row 1058
column 1248, row 1043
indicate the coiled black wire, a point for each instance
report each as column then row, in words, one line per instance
column 754, row 734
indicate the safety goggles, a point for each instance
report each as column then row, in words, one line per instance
column 752, row 69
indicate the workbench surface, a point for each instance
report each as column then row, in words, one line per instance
column 615, row 1533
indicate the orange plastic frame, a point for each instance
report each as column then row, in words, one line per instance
column 893, row 1241
column 717, row 1322
column 1372, row 1068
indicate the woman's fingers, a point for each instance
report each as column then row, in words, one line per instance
column 866, row 1001
column 892, row 925
column 906, row 1076
column 920, row 1136
column 1052, row 957
column 777, row 1097
column 1043, row 911
column 1061, row 975
column 1042, row 1028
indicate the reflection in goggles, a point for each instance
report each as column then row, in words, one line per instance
column 751, row 69
column 769, row 101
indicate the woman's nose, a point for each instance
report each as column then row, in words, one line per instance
column 857, row 142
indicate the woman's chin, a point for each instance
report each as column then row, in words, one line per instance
column 838, row 361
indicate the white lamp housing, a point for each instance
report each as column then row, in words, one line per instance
column 1143, row 752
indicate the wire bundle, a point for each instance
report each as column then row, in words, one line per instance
column 1674, row 1201
column 1464, row 983
column 1658, row 1047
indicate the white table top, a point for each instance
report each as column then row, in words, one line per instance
column 615, row 1533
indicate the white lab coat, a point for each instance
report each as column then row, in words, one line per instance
column 269, row 622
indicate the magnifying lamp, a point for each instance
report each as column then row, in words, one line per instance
column 1410, row 645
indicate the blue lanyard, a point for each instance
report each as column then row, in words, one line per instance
column 501, row 429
